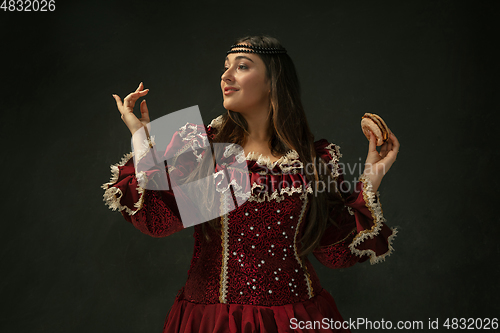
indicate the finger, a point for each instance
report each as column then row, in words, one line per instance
column 131, row 98
column 133, row 95
column 390, row 159
column 395, row 143
column 140, row 87
column 144, row 111
column 373, row 144
column 118, row 100
column 393, row 153
column 384, row 148
column 389, row 145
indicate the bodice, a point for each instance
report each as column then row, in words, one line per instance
column 253, row 257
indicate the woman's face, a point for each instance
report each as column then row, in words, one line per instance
column 244, row 84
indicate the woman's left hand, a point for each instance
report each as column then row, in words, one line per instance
column 378, row 163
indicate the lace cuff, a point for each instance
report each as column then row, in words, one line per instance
column 154, row 213
column 123, row 191
column 131, row 176
column 360, row 233
column 373, row 238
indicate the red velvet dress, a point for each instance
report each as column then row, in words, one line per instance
column 249, row 277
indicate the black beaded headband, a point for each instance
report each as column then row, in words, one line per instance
column 255, row 49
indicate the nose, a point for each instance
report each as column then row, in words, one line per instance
column 227, row 75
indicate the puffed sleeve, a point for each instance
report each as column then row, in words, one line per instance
column 155, row 212
column 361, row 232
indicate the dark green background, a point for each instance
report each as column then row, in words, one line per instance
column 69, row 264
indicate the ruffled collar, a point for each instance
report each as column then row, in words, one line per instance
column 258, row 162
column 289, row 158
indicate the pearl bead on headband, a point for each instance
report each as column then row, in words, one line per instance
column 255, row 49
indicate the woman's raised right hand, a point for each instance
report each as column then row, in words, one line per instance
column 127, row 109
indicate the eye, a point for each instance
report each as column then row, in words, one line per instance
column 224, row 69
column 242, row 66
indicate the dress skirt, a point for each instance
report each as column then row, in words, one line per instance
column 318, row 314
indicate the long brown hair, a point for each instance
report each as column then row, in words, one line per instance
column 289, row 129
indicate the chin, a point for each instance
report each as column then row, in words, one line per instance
column 230, row 106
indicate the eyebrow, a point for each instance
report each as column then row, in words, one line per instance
column 240, row 57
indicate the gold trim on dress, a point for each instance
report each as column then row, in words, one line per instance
column 263, row 196
column 335, row 154
column 225, row 247
column 304, row 268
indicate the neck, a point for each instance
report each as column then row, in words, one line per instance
column 258, row 128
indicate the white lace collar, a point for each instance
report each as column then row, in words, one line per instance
column 290, row 157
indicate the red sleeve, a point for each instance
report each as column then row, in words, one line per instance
column 361, row 232
column 154, row 212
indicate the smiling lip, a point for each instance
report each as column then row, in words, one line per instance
column 229, row 90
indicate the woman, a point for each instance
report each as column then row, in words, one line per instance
column 250, row 271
